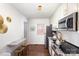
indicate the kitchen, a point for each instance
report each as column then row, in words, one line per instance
column 54, row 25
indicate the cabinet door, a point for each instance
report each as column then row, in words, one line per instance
column 50, row 48
column 69, row 8
column 65, row 9
column 53, row 53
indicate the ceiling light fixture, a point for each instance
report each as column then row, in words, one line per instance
column 39, row 7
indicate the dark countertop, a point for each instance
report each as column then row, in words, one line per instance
column 65, row 49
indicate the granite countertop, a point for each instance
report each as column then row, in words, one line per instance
column 9, row 48
column 17, row 42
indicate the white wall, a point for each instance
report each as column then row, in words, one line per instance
column 33, row 38
column 72, row 37
column 58, row 14
column 15, row 28
column 62, row 11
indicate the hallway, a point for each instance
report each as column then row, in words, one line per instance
column 36, row 50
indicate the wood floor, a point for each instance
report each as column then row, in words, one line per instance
column 36, row 50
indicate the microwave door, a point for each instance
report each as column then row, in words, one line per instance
column 70, row 23
column 62, row 24
column 66, row 23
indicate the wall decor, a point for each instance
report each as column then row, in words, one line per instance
column 1, row 20
column 40, row 29
column 8, row 19
column 32, row 28
column 3, row 27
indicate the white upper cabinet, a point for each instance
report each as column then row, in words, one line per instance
column 65, row 9
column 70, row 8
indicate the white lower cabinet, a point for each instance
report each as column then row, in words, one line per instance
column 52, row 53
column 54, row 49
column 50, row 49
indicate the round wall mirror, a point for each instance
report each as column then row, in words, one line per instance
column 3, row 27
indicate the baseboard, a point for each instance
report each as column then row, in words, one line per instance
column 36, row 44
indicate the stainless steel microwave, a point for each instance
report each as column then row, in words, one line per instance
column 69, row 22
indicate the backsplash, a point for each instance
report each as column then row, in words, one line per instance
column 71, row 37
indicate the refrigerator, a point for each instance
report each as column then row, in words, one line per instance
column 48, row 34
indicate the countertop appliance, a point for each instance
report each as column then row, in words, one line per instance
column 69, row 22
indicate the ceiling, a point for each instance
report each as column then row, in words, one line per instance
column 30, row 10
